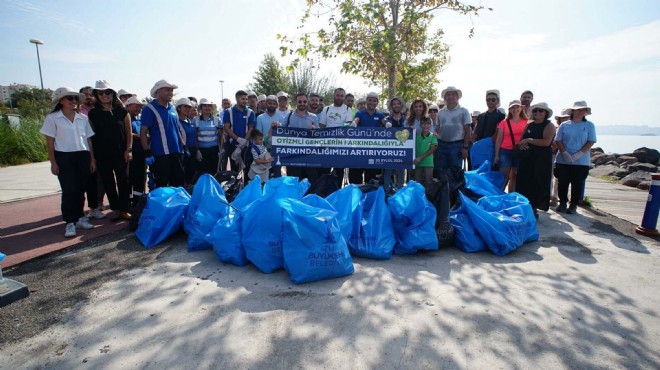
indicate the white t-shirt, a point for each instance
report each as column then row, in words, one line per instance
column 69, row 136
column 452, row 123
column 336, row 116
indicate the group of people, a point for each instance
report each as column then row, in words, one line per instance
column 100, row 140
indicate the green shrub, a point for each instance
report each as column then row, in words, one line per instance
column 23, row 144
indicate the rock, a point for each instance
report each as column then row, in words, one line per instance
column 646, row 155
column 622, row 158
column 619, row 174
column 607, row 170
column 635, row 178
column 602, row 159
column 644, row 185
column 612, row 163
column 627, row 163
column 596, row 150
column 642, row 167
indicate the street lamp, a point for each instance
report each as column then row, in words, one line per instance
column 222, row 89
column 36, row 43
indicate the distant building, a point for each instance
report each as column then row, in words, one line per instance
column 7, row 91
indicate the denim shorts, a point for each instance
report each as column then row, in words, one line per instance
column 507, row 159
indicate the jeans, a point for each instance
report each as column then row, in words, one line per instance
column 389, row 181
column 73, row 177
column 448, row 155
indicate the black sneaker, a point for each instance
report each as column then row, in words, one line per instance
column 572, row 209
column 561, row 207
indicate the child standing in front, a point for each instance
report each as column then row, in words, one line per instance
column 425, row 144
column 261, row 158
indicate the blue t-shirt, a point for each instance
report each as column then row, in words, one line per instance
column 263, row 125
column 296, row 121
column 240, row 121
column 191, row 133
column 574, row 135
column 164, row 139
column 367, row 120
column 135, row 128
column 207, row 131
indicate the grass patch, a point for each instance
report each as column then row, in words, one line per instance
column 586, row 202
column 611, row 179
column 22, row 144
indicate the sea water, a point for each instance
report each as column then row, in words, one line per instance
column 621, row 144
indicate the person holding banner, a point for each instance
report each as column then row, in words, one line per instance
column 396, row 119
column 301, row 118
column 336, row 115
column 368, row 117
column 265, row 122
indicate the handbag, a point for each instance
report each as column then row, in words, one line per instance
column 516, row 152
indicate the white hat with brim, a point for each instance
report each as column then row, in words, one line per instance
column 183, row 101
column 513, row 103
column 159, row 85
column 493, row 91
column 204, row 101
column 581, row 105
column 122, row 92
column 65, row 91
column 433, row 106
column 451, row 89
column 132, row 100
column 103, row 85
column 564, row 113
column 544, row 106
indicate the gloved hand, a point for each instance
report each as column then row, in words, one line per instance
column 236, row 155
column 567, row 157
column 353, row 124
column 221, row 153
column 577, row 155
column 388, row 124
column 241, row 142
column 199, row 156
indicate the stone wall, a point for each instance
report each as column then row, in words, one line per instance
column 630, row 169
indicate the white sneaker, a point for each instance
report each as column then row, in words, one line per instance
column 84, row 224
column 70, row 230
column 84, row 218
column 96, row 213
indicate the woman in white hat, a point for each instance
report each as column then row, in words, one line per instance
column 574, row 140
column 113, row 146
column 509, row 132
column 535, row 170
column 68, row 140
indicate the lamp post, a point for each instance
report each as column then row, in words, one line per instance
column 36, row 43
column 222, row 89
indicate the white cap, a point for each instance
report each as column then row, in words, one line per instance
column 261, row 98
column 373, row 95
column 271, row 97
column 282, row 94
column 205, row 101
column 132, row 100
column 251, row 93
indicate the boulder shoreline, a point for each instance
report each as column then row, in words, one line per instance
column 630, row 169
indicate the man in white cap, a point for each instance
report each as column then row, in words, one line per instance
column 368, row 117
column 487, row 121
column 265, row 122
column 453, row 131
column 238, row 121
column 160, row 120
column 252, row 101
column 283, row 108
column 261, row 104
column 209, row 138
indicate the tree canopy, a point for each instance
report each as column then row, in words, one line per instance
column 270, row 77
column 389, row 43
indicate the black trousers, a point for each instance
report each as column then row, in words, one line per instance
column 309, row 173
column 114, row 175
column 168, row 170
column 573, row 175
column 137, row 174
column 209, row 163
column 92, row 191
column 190, row 167
column 355, row 175
column 73, row 177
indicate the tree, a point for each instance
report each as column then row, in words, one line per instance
column 32, row 103
column 270, row 78
column 385, row 42
column 305, row 78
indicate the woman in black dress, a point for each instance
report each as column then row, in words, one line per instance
column 535, row 170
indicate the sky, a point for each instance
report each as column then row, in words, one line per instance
column 605, row 52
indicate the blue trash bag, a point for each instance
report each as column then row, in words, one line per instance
column 314, row 248
column 413, row 219
column 314, row 200
column 483, row 181
column 482, row 150
column 375, row 236
column 225, row 237
column 505, row 230
column 467, row 237
column 163, row 215
column 348, row 204
column 286, row 187
column 207, row 205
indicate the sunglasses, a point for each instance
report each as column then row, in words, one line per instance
column 491, row 100
column 538, row 110
column 71, row 98
column 105, row 92
column 302, row 101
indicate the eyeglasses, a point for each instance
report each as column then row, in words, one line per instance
column 538, row 110
column 302, row 101
column 105, row 92
column 492, row 100
column 71, row 98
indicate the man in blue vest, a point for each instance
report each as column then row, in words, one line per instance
column 238, row 121
column 209, row 137
column 160, row 120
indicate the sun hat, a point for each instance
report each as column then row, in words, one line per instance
column 581, row 105
column 261, row 98
column 183, row 101
column 544, row 106
column 564, row 113
column 204, row 101
column 451, row 89
column 475, row 113
column 513, row 103
column 433, row 106
column 251, row 93
column 123, row 92
column 65, row 91
column 271, row 97
column 493, row 91
column 159, row 85
column 282, row 94
column 373, row 95
column 132, row 100
column 103, row 85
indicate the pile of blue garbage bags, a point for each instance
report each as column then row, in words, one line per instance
column 315, row 238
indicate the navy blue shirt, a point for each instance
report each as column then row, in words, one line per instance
column 367, row 120
column 240, row 120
